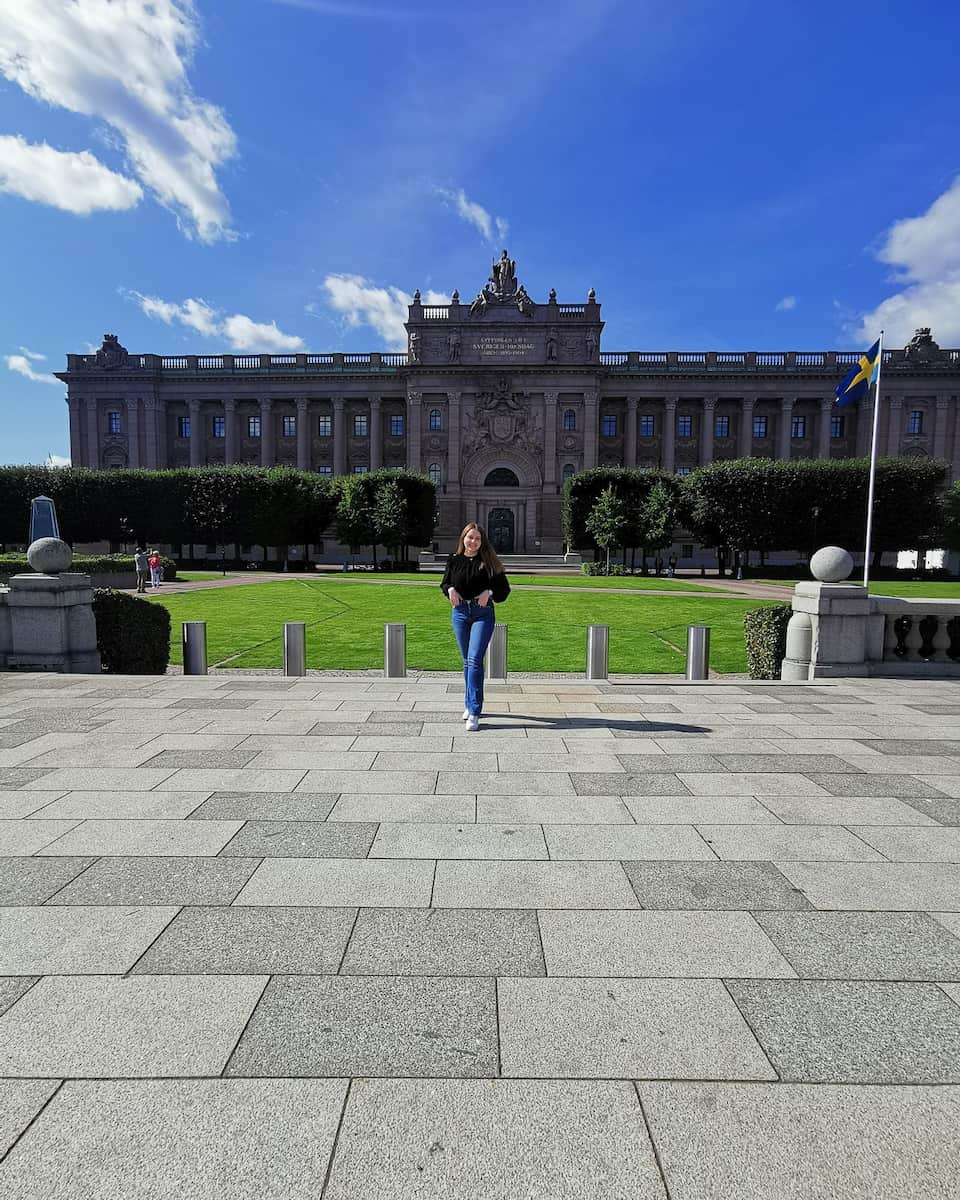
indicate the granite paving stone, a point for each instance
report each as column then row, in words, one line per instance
column 400, row 729
column 450, row 1139
column 144, row 1026
column 446, row 942
column 14, row 778
column 376, row 807
column 903, row 844
column 755, row 1142
column 244, row 779
column 781, row 843
column 407, row 783
column 302, row 839
column 713, row 886
column 77, row 940
column 844, row 810
column 506, row 783
column 25, row 880
column 518, row 761
column 625, row 1029
column 269, row 1139
column 334, row 882
column 943, row 810
column 629, row 783
column 134, row 806
column 841, row 945
column 212, row 704
column 11, row 989
column 371, row 1026
column 899, row 746
column 250, row 941
column 757, row 783
column 694, row 810
column 667, row 762
column 953, row 991
column 626, row 842
column 532, row 885
column 411, row 758
column 137, row 881
column 875, row 784
column 29, row 836
column 659, row 944
column 950, row 921
column 20, row 1101
column 557, row 810
column 15, row 805
column 152, row 838
column 840, row 1031
column 450, row 841
column 889, row 887
column 780, row 763
column 254, row 806
column 203, row 759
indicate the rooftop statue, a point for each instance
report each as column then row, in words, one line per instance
column 502, row 288
column 504, row 277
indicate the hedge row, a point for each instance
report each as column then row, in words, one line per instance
column 88, row 564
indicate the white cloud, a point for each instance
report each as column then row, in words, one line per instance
column 21, row 363
column 384, row 309
column 124, row 62
column 926, row 252
column 75, row 182
column 476, row 215
column 242, row 332
column 56, row 460
column 786, row 304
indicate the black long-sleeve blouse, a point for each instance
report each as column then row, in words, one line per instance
column 470, row 577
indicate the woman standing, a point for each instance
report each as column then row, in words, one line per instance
column 473, row 580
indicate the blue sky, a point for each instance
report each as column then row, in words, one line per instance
column 269, row 175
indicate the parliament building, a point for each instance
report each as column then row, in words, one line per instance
column 499, row 399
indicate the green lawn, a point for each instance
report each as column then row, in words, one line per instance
column 547, row 632
column 641, row 583
column 201, row 576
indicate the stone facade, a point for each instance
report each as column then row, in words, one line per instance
column 499, row 400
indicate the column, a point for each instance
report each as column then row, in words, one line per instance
column 591, row 434
column 266, row 432
column 864, row 411
column 196, row 434
column 229, row 431
column 93, row 433
column 150, row 437
column 745, row 437
column 163, row 459
column 76, row 431
column 786, row 417
column 413, row 430
column 669, row 440
column 453, row 442
column 630, row 449
column 823, row 430
column 132, row 409
column 940, row 429
column 707, row 429
column 376, row 434
column 339, row 438
column 550, row 437
column 303, row 434
column 893, row 426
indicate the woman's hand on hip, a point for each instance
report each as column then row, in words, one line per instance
column 483, row 599
column 454, row 597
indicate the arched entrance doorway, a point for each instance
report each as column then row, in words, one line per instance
column 500, row 529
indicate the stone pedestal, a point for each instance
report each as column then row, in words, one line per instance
column 48, row 624
column 832, row 619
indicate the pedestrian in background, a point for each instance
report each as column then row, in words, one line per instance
column 156, row 568
column 142, row 565
column 474, row 578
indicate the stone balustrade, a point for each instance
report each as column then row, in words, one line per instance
column 911, row 637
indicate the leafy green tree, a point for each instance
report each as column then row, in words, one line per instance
column 659, row 518
column 608, row 521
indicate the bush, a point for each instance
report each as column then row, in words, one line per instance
column 601, row 568
column 89, row 564
column 133, row 636
column 765, row 632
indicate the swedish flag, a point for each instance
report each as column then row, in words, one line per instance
column 856, row 383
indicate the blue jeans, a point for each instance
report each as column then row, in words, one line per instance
column 473, row 628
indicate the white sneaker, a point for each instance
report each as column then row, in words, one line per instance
column 473, row 724
column 466, row 714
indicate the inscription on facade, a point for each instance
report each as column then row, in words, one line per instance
column 498, row 346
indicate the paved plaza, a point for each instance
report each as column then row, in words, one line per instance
column 301, row 938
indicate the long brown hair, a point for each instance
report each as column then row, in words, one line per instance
column 488, row 556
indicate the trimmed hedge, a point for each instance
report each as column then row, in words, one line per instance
column 765, row 632
column 133, row 636
column 601, row 568
column 89, row 564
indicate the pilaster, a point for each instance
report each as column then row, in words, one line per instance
column 132, row 406
column 745, row 433
column 339, row 437
column 230, row 431
column 591, row 434
column 267, row 440
column 93, row 433
column 823, row 430
column 303, row 434
column 196, row 433
column 669, row 445
column 76, row 431
column 630, row 447
column 940, row 428
column 414, row 430
column 894, row 425
column 376, row 434
column 550, row 400
column 707, row 429
column 453, row 443
column 786, row 420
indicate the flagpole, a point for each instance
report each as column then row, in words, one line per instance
column 873, row 467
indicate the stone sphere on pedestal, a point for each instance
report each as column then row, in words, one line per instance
column 49, row 556
column 831, row 564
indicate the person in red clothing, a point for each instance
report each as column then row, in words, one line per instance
column 155, row 564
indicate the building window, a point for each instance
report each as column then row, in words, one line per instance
column 396, row 425
column 289, row 426
column 183, row 427
column 836, row 427
column 686, row 549
column 113, row 422
column 436, row 422
column 324, row 470
column 684, row 426
column 360, row 425
column 360, row 469
column 721, row 426
column 798, row 427
column 608, row 425
column 434, row 472
column 915, row 422
column 569, row 420
column 324, row 426
column 682, row 471
column 647, row 426
column 569, row 470
column 219, row 427
column 211, row 548
column 759, row 427
column 253, row 427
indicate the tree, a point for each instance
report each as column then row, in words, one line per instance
column 608, row 521
column 659, row 516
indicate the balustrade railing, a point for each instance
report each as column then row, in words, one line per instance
column 436, row 312
column 613, row 358
column 246, row 362
column 207, row 362
column 918, row 633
